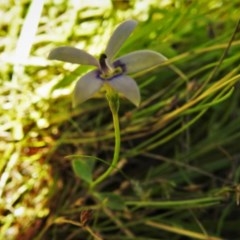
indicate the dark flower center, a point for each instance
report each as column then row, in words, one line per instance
column 103, row 63
column 107, row 71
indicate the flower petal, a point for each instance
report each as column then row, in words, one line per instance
column 128, row 87
column 73, row 55
column 118, row 37
column 142, row 60
column 86, row 86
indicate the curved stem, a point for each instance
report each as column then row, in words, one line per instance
column 113, row 101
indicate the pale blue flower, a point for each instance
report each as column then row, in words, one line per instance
column 112, row 72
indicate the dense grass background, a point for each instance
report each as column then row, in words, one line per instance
column 179, row 167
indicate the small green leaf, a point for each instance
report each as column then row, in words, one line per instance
column 82, row 167
column 113, row 201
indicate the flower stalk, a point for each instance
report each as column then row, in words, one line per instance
column 113, row 101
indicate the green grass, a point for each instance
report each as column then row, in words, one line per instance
column 178, row 175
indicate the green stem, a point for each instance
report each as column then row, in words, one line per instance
column 113, row 101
